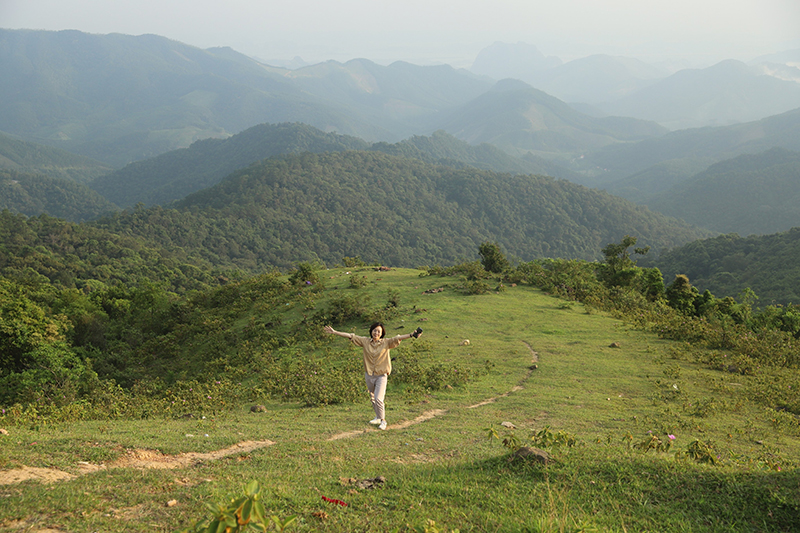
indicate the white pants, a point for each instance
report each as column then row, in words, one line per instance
column 376, row 385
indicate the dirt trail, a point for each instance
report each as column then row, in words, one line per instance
column 427, row 415
column 519, row 386
column 153, row 459
column 142, row 459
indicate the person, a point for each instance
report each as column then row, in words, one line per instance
column 377, row 363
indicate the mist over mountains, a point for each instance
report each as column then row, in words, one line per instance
column 119, row 98
column 722, row 94
column 94, row 123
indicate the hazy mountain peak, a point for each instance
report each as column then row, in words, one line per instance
column 511, row 84
column 502, row 60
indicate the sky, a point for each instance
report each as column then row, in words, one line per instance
column 696, row 32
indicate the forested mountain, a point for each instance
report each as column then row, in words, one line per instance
column 175, row 174
column 34, row 194
column 520, row 119
column 769, row 265
column 620, row 161
column 442, row 148
column 642, row 186
column 34, row 158
column 726, row 93
column 748, row 194
column 396, row 211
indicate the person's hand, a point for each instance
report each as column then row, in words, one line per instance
column 328, row 329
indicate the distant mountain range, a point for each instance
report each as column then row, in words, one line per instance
column 119, row 99
column 520, row 119
column 726, row 93
column 689, row 149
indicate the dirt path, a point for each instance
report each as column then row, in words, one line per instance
column 153, row 459
column 142, row 459
column 519, row 386
column 427, row 415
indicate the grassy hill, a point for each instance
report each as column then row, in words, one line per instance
column 33, row 158
column 33, row 194
column 646, row 436
column 729, row 264
column 748, row 194
column 398, row 211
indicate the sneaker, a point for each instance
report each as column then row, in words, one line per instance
column 375, row 421
column 383, row 425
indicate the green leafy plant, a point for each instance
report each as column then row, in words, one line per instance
column 545, row 437
column 246, row 513
column 702, row 452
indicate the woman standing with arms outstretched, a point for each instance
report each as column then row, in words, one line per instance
column 377, row 363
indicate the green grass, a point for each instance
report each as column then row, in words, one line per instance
column 446, row 469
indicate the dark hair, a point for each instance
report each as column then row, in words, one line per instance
column 375, row 325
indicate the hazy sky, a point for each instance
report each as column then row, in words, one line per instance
column 700, row 32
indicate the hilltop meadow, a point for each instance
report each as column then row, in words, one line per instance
column 555, row 395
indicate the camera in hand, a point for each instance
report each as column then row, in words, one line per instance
column 416, row 333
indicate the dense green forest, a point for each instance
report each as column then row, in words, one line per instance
column 43, row 250
column 769, row 265
column 442, row 148
column 402, row 212
column 34, row 194
column 749, row 194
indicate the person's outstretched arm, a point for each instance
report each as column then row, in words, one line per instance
column 332, row 331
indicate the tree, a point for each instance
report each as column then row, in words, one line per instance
column 681, row 295
column 618, row 269
column 492, row 258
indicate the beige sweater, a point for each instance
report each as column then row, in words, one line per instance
column 376, row 354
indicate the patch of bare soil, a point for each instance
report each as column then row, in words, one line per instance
column 142, row 459
column 45, row 475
